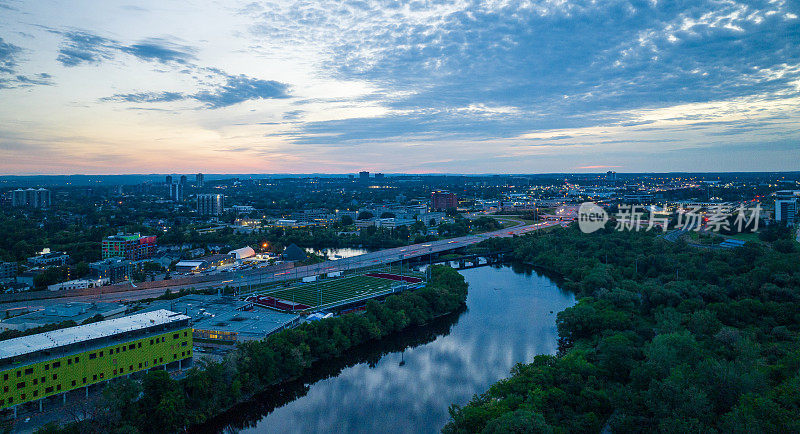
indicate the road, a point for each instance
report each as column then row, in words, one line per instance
column 244, row 279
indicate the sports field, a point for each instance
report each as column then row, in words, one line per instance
column 334, row 290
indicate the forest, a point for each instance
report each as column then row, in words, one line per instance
column 159, row 403
column 666, row 337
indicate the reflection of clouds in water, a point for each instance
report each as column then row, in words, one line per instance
column 502, row 326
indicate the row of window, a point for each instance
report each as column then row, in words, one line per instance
column 95, row 377
column 70, row 361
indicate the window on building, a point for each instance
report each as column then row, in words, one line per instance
column 140, row 345
column 19, row 374
column 92, row 356
column 115, row 372
column 69, row 362
column 84, row 380
column 58, row 387
column 5, row 377
column 185, row 334
column 73, row 383
column 5, row 389
column 55, row 376
column 174, row 356
column 101, row 354
column 46, row 366
column 132, row 346
column 28, row 371
column 20, row 385
column 35, row 381
column 56, row 365
column 175, row 336
column 123, row 349
column 77, row 360
column 94, row 377
column 44, row 379
column 183, row 344
column 22, row 397
column 130, row 368
column 35, row 393
column 151, row 342
column 48, row 389
column 10, row 399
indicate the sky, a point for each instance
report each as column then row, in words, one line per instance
column 337, row 86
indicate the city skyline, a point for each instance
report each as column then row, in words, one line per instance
column 399, row 87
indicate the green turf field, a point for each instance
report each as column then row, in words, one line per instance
column 333, row 290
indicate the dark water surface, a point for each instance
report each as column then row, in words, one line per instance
column 405, row 384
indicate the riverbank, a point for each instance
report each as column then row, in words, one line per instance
column 167, row 405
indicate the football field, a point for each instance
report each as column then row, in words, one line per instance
column 331, row 291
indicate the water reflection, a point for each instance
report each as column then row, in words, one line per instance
column 510, row 318
column 334, row 254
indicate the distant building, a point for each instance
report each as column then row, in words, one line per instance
column 31, row 197
column 78, row 284
column 8, row 270
column 183, row 179
column 48, row 258
column 129, row 246
column 176, row 191
column 75, row 311
column 363, row 176
column 443, row 200
column 168, row 180
column 210, row 204
column 115, row 269
column 198, row 179
column 379, row 176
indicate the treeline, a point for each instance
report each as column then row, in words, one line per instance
column 160, row 404
column 664, row 338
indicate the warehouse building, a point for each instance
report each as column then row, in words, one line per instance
column 39, row 366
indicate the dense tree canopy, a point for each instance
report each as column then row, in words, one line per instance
column 665, row 337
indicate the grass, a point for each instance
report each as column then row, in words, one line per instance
column 746, row 237
column 333, row 290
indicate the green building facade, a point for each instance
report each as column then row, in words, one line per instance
column 47, row 364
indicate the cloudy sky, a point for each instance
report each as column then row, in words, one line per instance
column 398, row 86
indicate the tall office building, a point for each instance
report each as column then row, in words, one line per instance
column 176, row 191
column 363, row 176
column 786, row 205
column 442, row 200
column 31, row 197
column 210, row 204
column 379, row 176
column 183, row 179
column 198, row 179
column 168, row 180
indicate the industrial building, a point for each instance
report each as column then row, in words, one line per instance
column 222, row 319
column 35, row 367
column 129, row 246
column 210, row 204
column 75, row 311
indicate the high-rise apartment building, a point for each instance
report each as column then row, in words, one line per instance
column 176, row 191
column 31, row 197
column 210, row 204
column 198, row 179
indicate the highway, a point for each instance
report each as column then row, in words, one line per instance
column 244, row 279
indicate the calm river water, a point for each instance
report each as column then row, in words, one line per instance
column 405, row 384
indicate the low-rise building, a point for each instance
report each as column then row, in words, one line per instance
column 8, row 270
column 47, row 364
column 78, row 284
column 75, row 311
column 48, row 258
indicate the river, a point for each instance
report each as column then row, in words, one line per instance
column 405, row 384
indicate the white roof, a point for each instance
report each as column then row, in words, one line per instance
column 58, row 338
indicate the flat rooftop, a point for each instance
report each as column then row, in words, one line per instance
column 59, row 338
column 215, row 313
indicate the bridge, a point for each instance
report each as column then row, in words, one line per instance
column 126, row 292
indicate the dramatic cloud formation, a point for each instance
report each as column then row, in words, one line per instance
column 461, row 86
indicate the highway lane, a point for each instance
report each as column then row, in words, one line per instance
column 245, row 279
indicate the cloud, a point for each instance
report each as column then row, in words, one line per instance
column 146, row 97
column 160, row 50
column 8, row 57
column 241, row 88
column 80, row 47
column 234, row 90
